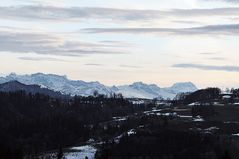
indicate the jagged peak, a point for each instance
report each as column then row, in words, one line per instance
column 188, row 84
column 50, row 75
column 12, row 74
column 13, row 82
column 139, row 84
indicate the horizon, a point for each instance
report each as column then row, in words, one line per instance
column 157, row 42
column 125, row 84
column 65, row 76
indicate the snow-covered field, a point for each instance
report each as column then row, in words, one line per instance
column 82, row 152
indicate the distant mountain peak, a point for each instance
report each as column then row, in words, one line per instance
column 11, row 85
column 11, row 75
column 14, row 85
column 49, row 75
column 14, row 82
column 138, row 84
column 184, row 84
column 181, row 87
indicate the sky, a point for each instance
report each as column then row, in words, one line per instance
column 120, row 42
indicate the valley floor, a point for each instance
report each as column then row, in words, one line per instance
column 224, row 124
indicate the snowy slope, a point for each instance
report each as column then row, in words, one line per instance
column 66, row 86
column 60, row 83
column 142, row 90
column 82, row 152
column 183, row 87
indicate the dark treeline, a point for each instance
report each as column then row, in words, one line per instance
column 31, row 124
column 235, row 92
column 205, row 111
column 204, row 100
column 166, row 144
column 203, row 95
column 159, row 140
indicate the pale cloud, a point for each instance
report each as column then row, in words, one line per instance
column 94, row 64
column 50, row 44
column 217, row 58
column 208, row 67
column 53, row 13
column 50, row 35
column 216, row 30
column 130, row 66
column 26, row 58
column 112, row 43
column 209, row 53
column 229, row 1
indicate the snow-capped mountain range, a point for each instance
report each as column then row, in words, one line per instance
column 78, row 87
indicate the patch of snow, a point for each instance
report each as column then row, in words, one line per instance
column 90, row 141
column 231, row 122
column 146, row 112
column 138, row 102
column 167, row 114
column 198, row 119
column 235, row 134
column 212, row 129
column 84, row 151
column 185, row 116
column 193, row 104
column 226, row 97
column 120, row 118
column 131, row 132
column 117, row 139
column 156, row 110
